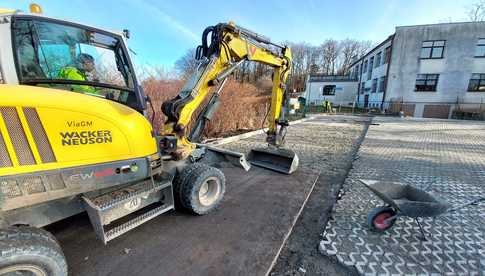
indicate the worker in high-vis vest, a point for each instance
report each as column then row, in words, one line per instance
column 84, row 71
column 327, row 106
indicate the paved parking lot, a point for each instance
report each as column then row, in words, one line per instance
column 443, row 156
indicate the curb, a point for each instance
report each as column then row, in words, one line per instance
column 231, row 139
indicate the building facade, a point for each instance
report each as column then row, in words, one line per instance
column 339, row 90
column 371, row 72
column 433, row 71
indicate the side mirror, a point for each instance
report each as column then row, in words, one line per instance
column 126, row 33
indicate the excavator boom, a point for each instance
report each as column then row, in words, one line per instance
column 229, row 46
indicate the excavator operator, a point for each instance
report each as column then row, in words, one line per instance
column 84, row 71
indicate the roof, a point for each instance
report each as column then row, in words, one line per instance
column 441, row 24
column 373, row 49
column 411, row 26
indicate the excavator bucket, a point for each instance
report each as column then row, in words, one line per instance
column 276, row 159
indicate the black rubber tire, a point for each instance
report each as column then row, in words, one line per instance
column 376, row 214
column 179, row 181
column 192, row 181
column 34, row 247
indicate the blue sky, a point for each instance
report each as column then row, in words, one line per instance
column 163, row 30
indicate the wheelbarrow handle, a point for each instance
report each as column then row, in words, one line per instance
column 475, row 201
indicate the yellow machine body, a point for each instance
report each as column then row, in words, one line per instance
column 79, row 130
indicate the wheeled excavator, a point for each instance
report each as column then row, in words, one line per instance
column 69, row 145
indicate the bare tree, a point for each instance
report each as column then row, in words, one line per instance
column 296, row 80
column 349, row 52
column 187, row 64
column 476, row 11
column 330, row 52
column 332, row 57
column 365, row 47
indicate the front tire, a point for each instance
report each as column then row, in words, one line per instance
column 202, row 189
column 30, row 251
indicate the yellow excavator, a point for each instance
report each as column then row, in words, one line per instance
column 75, row 134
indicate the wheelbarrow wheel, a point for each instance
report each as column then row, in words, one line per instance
column 381, row 218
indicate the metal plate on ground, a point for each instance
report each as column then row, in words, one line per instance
column 447, row 158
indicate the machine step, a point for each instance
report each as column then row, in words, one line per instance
column 137, row 221
column 119, row 211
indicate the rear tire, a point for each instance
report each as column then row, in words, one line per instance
column 381, row 218
column 33, row 250
column 202, row 188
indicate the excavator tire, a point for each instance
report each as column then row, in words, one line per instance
column 179, row 181
column 202, row 188
column 30, row 250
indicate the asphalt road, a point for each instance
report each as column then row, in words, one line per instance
column 242, row 237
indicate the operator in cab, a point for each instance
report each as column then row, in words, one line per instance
column 83, row 71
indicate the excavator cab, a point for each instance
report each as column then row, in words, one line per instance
column 62, row 55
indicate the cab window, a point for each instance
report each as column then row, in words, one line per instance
column 71, row 58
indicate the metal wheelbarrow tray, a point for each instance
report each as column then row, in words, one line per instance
column 404, row 200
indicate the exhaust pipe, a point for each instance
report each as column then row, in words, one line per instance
column 276, row 159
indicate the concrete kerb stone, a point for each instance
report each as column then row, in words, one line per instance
column 231, row 139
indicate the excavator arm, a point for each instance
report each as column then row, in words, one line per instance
column 228, row 48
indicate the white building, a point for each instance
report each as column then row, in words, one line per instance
column 435, row 70
column 339, row 90
column 371, row 71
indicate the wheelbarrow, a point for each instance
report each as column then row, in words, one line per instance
column 407, row 201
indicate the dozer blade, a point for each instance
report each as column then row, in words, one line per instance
column 276, row 159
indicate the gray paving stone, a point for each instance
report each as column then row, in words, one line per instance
column 445, row 157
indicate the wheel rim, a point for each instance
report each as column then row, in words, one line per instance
column 381, row 223
column 209, row 191
column 22, row 269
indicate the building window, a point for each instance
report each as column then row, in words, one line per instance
column 477, row 83
column 362, row 89
column 329, row 90
column 432, row 49
column 382, row 84
column 426, row 82
column 374, row 86
column 365, row 67
column 387, row 55
column 480, row 50
column 355, row 72
column 371, row 64
column 378, row 60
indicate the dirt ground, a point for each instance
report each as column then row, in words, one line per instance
column 260, row 228
column 326, row 146
column 242, row 237
column 300, row 255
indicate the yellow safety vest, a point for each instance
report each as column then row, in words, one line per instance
column 72, row 73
